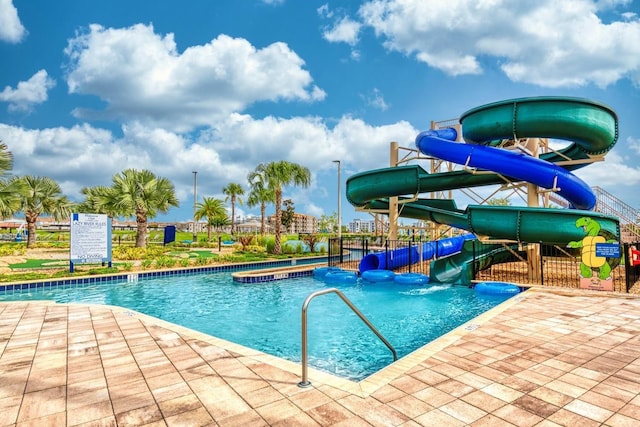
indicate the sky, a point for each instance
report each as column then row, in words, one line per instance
column 88, row 89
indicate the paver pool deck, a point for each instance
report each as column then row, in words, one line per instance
column 544, row 358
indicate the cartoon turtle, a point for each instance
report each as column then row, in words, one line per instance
column 591, row 262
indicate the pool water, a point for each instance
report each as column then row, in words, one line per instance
column 267, row 316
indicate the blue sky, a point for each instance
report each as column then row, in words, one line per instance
column 88, row 89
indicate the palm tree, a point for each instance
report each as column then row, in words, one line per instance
column 41, row 195
column 97, row 201
column 219, row 221
column 233, row 191
column 275, row 176
column 260, row 195
column 9, row 189
column 210, row 208
column 138, row 193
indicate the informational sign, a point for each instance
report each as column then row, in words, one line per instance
column 608, row 250
column 90, row 239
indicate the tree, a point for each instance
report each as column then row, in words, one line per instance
column 9, row 189
column 134, row 193
column 233, row 191
column 288, row 214
column 40, row 195
column 260, row 195
column 328, row 223
column 210, row 208
column 312, row 240
column 275, row 176
column 219, row 221
column 96, row 200
column 499, row 202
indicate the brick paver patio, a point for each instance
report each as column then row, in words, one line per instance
column 543, row 358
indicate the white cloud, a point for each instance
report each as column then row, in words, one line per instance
column 324, row 11
column 11, row 29
column 343, row 31
column 228, row 154
column 28, row 93
column 549, row 43
column 142, row 76
column 607, row 174
column 376, row 100
column 634, row 144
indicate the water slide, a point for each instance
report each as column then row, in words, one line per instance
column 409, row 255
column 590, row 127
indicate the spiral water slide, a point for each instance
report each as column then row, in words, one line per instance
column 590, row 127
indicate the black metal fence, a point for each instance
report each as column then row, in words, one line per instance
column 525, row 264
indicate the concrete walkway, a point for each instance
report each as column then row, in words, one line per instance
column 543, row 358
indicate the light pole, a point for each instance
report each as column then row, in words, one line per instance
column 339, row 213
column 195, row 186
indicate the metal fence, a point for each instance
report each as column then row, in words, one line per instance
column 525, row 264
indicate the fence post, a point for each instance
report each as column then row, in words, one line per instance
column 541, row 264
column 410, row 250
column 386, row 253
column 473, row 265
column 627, row 266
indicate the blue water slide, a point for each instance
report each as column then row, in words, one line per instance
column 514, row 165
column 409, row 255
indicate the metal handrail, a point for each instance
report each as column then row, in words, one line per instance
column 305, row 381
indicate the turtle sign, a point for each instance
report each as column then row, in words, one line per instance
column 600, row 253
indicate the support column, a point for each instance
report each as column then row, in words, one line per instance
column 393, row 201
column 533, row 201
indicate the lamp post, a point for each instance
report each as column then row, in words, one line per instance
column 339, row 213
column 195, row 186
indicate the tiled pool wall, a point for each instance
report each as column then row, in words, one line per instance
column 135, row 276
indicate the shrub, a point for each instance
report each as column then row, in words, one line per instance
column 12, row 249
column 270, row 246
column 256, row 249
column 202, row 260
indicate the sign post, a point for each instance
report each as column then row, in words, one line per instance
column 90, row 239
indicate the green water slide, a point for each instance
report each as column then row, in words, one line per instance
column 591, row 128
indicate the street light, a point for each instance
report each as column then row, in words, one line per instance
column 195, row 186
column 339, row 213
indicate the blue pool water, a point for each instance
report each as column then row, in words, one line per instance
column 267, row 316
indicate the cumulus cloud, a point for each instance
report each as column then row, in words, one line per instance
column 547, row 43
column 28, row 93
column 634, row 144
column 142, row 77
column 376, row 100
column 607, row 174
column 345, row 31
column 226, row 154
column 11, row 29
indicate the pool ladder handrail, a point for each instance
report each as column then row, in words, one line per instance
column 305, row 380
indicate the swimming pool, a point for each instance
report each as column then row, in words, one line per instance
column 267, row 316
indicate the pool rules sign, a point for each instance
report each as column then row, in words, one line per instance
column 90, row 239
